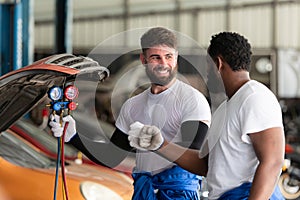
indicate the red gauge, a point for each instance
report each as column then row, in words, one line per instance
column 72, row 106
column 71, row 92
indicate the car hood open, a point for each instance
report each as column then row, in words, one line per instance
column 22, row 89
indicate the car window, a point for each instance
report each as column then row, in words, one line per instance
column 19, row 153
column 44, row 138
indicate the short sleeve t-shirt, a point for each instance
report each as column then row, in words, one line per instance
column 232, row 160
column 166, row 110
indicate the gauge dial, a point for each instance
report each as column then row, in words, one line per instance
column 55, row 93
column 71, row 92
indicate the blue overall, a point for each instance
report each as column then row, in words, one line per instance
column 172, row 184
column 243, row 191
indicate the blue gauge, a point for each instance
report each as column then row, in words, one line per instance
column 55, row 93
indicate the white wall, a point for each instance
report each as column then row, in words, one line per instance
column 255, row 22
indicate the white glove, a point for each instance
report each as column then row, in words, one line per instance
column 57, row 128
column 144, row 137
column 134, row 132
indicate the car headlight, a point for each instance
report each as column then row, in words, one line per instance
column 94, row 191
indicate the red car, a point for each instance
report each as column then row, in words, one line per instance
column 21, row 90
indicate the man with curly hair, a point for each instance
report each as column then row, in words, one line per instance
column 244, row 151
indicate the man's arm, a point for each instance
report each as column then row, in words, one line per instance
column 184, row 157
column 269, row 149
column 186, row 153
column 109, row 154
column 193, row 134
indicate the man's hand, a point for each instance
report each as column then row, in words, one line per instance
column 145, row 137
column 57, row 126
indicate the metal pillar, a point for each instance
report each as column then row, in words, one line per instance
column 6, row 39
column 13, row 23
column 28, row 32
column 63, row 26
column 17, row 35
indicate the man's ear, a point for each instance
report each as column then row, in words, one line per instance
column 219, row 62
column 143, row 59
column 176, row 54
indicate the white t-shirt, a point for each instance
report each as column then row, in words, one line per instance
column 166, row 110
column 232, row 160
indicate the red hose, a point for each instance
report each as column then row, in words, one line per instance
column 63, row 160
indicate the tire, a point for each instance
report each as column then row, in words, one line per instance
column 288, row 191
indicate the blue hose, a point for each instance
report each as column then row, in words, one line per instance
column 57, row 167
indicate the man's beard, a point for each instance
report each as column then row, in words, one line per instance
column 162, row 81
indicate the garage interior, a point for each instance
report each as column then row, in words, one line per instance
column 272, row 27
column 34, row 29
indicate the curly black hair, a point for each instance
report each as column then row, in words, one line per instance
column 234, row 49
